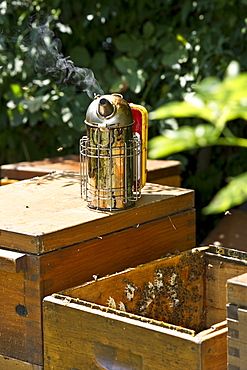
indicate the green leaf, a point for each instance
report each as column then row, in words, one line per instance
column 183, row 109
column 118, row 84
column 33, row 105
column 148, row 29
column 126, row 65
column 128, row 44
column 98, row 61
column 178, row 55
column 17, row 117
column 16, row 89
column 184, row 138
column 80, row 56
column 136, row 81
column 233, row 194
column 161, row 146
column 35, row 118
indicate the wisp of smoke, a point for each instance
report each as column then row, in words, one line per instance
column 45, row 54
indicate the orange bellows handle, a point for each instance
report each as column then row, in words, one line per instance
column 140, row 127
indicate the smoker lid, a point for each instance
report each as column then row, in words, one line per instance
column 110, row 111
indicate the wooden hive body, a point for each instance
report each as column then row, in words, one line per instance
column 237, row 322
column 162, row 172
column 50, row 241
column 169, row 313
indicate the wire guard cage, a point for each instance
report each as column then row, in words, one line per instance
column 110, row 169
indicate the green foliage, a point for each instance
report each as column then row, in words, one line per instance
column 150, row 51
column 218, row 102
column 232, row 194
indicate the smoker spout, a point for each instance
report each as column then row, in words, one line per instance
column 105, row 108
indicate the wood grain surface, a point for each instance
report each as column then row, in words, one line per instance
column 50, row 214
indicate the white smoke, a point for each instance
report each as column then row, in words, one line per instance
column 46, row 57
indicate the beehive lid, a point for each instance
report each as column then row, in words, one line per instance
column 48, row 213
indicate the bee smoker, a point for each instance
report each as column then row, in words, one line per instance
column 111, row 155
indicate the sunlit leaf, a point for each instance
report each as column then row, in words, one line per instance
column 233, row 194
column 181, row 109
column 179, row 55
column 16, row 117
column 184, row 138
column 34, row 104
column 136, row 81
column 16, row 89
column 126, row 65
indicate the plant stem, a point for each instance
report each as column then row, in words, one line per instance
column 231, row 141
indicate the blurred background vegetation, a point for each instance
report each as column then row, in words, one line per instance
column 153, row 52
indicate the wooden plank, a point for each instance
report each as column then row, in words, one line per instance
column 169, row 181
column 161, row 290
column 6, row 181
column 242, row 318
column 27, row 170
column 237, row 329
column 100, row 300
column 12, row 261
column 219, row 270
column 160, row 169
column 115, row 341
column 10, row 363
column 157, row 169
column 117, row 251
column 20, row 313
column 20, row 242
column 237, row 354
column 214, row 348
column 233, row 328
column 20, row 310
column 110, row 342
column 95, row 224
column 52, row 214
column 237, row 289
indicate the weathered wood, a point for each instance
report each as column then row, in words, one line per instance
column 56, row 242
column 167, row 302
column 101, row 340
column 237, row 354
column 50, row 214
column 170, row 290
column 158, row 170
column 219, row 270
column 9, row 363
column 237, row 328
column 7, row 181
column 20, row 313
column 27, row 170
column 214, row 348
column 169, row 180
column 237, row 322
column 12, row 261
column 114, row 252
column 237, row 289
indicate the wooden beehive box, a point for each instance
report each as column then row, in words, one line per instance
column 167, row 314
column 162, row 172
column 237, row 322
column 51, row 241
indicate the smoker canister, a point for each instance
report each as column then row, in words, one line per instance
column 109, row 154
